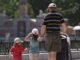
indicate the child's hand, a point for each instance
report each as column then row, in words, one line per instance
column 10, row 56
column 26, row 49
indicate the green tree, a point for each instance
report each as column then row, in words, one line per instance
column 39, row 4
column 70, row 9
column 10, row 6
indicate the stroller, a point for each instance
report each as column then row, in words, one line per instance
column 65, row 53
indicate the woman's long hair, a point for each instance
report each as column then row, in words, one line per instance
column 35, row 37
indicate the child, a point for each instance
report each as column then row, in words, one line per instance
column 34, row 44
column 17, row 49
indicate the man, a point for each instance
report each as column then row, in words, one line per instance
column 51, row 26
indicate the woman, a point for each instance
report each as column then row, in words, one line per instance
column 34, row 44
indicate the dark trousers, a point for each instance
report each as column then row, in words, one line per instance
column 64, row 54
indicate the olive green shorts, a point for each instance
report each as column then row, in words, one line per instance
column 53, row 42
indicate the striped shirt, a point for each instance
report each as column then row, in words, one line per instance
column 53, row 22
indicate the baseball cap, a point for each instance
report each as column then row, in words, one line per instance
column 17, row 40
column 52, row 5
column 35, row 30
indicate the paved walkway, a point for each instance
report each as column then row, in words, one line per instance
column 43, row 56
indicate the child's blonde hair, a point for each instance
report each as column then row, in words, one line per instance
column 17, row 40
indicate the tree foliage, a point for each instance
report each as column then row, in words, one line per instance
column 39, row 5
column 69, row 8
column 10, row 6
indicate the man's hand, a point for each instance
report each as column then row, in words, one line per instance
column 40, row 38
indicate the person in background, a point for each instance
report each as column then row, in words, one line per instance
column 51, row 26
column 16, row 50
column 34, row 44
column 64, row 28
column 64, row 54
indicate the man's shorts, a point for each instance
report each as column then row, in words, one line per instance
column 53, row 42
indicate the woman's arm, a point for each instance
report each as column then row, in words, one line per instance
column 27, row 37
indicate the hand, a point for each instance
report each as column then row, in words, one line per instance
column 40, row 38
column 10, row 56
column 26, row 49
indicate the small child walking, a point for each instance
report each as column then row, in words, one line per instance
column 16, row 50
column 34, row 44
